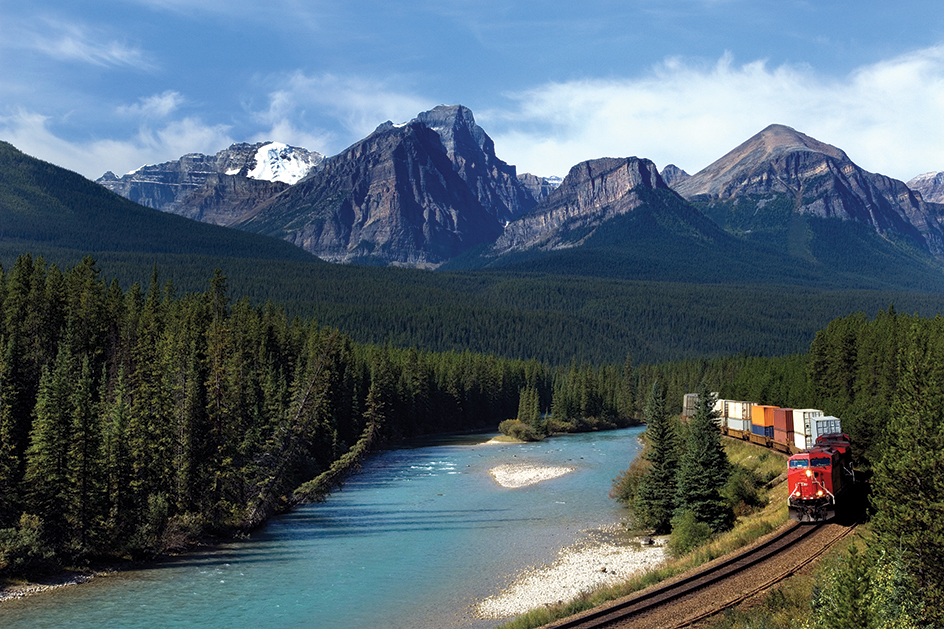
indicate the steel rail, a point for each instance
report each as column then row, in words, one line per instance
column 688, row 585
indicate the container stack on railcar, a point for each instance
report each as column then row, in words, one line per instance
column 788, row 430
column 820, row 468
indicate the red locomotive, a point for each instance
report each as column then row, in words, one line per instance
column 818, row 478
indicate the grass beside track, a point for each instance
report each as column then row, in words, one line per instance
column 747, row 529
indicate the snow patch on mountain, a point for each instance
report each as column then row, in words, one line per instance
column 279, row 162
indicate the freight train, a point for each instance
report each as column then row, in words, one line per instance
column 820, row 465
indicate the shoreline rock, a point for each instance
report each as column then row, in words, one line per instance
column 23, row 590
column 596, row 561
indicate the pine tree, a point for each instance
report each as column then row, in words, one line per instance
column 704, row 468
column 655, row 499
column 908, row 490
column 47, row 458
column 84, row 506
column 10, row 468
column 529, row 410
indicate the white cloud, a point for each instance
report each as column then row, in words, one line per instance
column 156, row 106
column 886, row 116
column 29, row 132
column 358, row 104
column 77, row 42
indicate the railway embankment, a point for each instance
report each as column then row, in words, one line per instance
column 749, row 529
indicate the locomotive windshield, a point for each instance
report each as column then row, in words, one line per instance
column 799, row 463
column 820, row 462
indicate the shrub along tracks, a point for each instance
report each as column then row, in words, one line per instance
column 724, row 583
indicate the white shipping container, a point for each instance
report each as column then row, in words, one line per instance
column 799, row 439
column 820, row 425
column 720, row 407
column 739, row 410
column 739, row 424
column 805, row 413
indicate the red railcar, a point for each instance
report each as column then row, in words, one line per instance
column 818, row 479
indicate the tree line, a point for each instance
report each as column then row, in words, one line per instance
column 133, row 421
column 884, row 377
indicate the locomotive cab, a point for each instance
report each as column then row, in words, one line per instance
column 815, row 481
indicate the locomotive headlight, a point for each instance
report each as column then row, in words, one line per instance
column 809, row 473
column 819, row 493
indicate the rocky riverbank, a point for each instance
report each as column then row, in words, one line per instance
column 602, row 558
column 22, row 590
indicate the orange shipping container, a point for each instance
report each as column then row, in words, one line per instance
column 762, row 415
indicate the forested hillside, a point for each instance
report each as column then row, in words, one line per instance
column 884, row 378
column 133, row 421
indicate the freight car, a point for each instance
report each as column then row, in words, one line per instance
column 819, row 479
column 816, row 484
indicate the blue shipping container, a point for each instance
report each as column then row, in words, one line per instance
column 763, row 431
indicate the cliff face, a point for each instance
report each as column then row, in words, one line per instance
column 472, row 152
column 821, row 181
column 592, row 193
column 393, row 198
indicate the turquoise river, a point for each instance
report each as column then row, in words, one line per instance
column 414, row 540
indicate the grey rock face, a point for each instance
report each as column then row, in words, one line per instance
column 219, row 189
column 592, row 193
column 472, row 153
column 539, row 187
column 930, row 186
column 393, row 198
column 673, row 175
column 823, row 182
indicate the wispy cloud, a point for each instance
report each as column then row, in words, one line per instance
column 30, row 132
column 886, row 116
column 76, row 42
column 156, row 106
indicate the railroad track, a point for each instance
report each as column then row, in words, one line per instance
column 634, row 611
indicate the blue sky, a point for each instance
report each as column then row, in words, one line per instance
column 112, row 85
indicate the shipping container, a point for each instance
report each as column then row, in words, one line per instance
column 763, row 431
column 738, row 410
column 783, row 436
column 762, row 415
column 689, row 404
column 739, row 424
column 783, row 419
column 799, row 439
column 802, row 414
column 820, row 425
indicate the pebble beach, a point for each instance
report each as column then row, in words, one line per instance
column 601, row 557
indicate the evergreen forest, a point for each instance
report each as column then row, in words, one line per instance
column 884, row 377
column 137, row 421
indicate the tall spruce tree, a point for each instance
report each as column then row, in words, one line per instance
column 908, row 493
column 655, row 499
column 704, row 468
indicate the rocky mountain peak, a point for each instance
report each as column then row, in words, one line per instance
column 592, row 193
column 818, row 180
column 743, row 165
column 216, row 188
column 672, row 175
column 930, row 186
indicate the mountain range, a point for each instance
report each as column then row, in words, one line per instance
column 628, row 265
column 432, row 193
